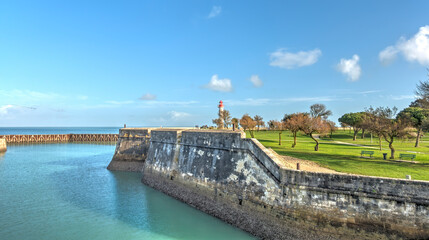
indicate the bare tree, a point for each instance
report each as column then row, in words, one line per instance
column 382, row 121
column 248, row 124
column 332, row 127
column 319, row 110
column 259, row 123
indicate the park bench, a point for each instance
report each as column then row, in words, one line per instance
column 403, row 155
column 370, row 153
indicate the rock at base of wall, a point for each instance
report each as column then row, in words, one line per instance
column 3, row 146
column 127, row 166
column 218, row 205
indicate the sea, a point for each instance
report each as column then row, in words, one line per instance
column 64, row 191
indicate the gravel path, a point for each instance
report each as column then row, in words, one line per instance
column 306, row 165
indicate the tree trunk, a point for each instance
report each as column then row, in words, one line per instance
column 419, row 132
column 251, row 133
column 280, row 138
column 355, row 134
column 379, row 141
column 392, row 150
column 294, row 140
column 363, row 133
column 258, row 128
column 330, row 136
column 316, row 148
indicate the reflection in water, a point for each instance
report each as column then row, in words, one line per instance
column 64, row 191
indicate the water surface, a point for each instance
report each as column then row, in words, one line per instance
column 64, row 191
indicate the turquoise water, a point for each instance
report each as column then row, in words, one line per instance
column 63, row 191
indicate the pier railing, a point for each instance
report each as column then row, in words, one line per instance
column 49, row 138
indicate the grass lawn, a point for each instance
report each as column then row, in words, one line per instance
column 346, row 158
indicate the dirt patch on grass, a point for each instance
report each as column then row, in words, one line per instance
column 306, row 165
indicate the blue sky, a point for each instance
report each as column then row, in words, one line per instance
column 168, row 63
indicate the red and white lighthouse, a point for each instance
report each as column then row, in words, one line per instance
column 220, row 106
column 221, row 114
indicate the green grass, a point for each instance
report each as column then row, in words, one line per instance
column 346, row 158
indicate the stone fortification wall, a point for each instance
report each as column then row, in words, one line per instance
column 249, row 186
column 3, row 146
column 131, row 149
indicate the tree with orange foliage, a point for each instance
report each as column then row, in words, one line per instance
column 311, row 125
column 247, row 123
column 293, row 122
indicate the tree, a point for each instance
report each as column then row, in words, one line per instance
column 223, row 120
column 271, row 124
column 332, row 127
column 354, row 120
column 422, row 89
column 278, row 126
column 416, row 116
column 259, row 123
column 311, row 125
column 293, row 123
column 226, row 117
column 218, row 122
column 248, row 124
column 234, row 122
column 383, row 122
column 319, row 110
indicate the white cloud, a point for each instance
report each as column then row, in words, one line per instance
column 120, row 102
column 277, row 101
column 388, row 55
column 6, row 109
column 178, row 115
column 29, row 95
column 350, row 67
column 148, row 96
column 220, row 85
column 216, row 10
column 257, row 82
column 415, row 49
column 283, row 59
column 403, row 97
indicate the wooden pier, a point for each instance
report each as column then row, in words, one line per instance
column 60, row 138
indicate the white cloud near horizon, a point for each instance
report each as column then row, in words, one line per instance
column 350, row 68
column 148, row 97
column 256, row 81
column 178, row 115
column 288, row 60
column 277, row 101
column 415, row 49
column 5, row 109
column 220, row 85
column 216, row 10
column 403, row 97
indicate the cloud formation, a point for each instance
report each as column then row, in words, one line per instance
column 220, row 85
column 6, row 109
column 178, row 115
column 283, row 59
column 148, row 96
column 415, row 49
column 256, row 81
column 216, row 10
column 350, row 68
column 278, row 101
